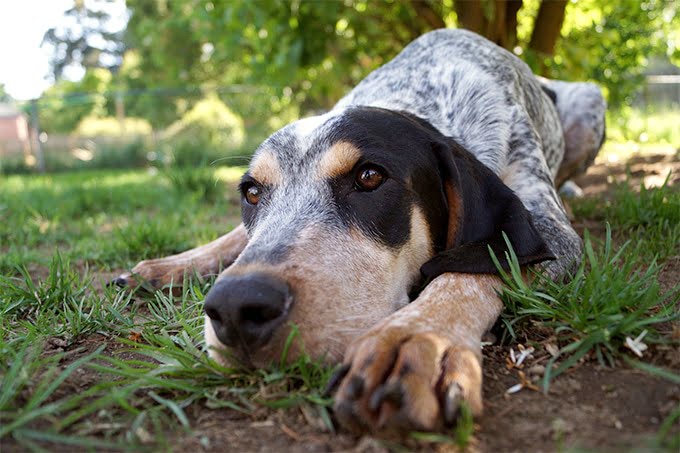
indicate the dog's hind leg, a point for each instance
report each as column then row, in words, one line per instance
column 206, row 260
column 581, row 109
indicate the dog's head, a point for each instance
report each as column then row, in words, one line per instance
column 347, row 215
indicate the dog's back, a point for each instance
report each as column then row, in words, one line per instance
column 474, row 91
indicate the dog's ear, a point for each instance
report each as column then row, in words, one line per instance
column 481, row 208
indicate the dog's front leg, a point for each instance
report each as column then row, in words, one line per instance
column 413, row 370
column 206, row 260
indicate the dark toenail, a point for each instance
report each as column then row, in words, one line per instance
column 337, row 377
column 394, row 393
column 119, row 281
column 355, row 387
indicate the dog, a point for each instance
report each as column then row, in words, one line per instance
column 369, row 227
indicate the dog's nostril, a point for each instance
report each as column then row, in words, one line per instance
column 213, row 314
column 260, row 314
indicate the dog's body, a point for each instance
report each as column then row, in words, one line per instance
column 408, row 180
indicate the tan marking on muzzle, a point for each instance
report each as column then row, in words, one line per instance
column 265, row 169
column 338, row 160
column 343, row 284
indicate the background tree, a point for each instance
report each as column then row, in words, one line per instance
column 4, row 95
column 66, row 103
column 87, row 41
column 305, row 54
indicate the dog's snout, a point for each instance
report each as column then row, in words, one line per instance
column 246, row 310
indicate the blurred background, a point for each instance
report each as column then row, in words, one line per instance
column 140, row 83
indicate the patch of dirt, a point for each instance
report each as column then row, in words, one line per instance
column 650, row 169
column 588, row 407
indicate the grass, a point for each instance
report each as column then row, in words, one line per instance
column 145, row 385
column 84, row 366
column 650, row 214
column 635, row 125
column 607, row 300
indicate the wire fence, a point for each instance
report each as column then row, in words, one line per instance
column 187, row 125
column 225, row 129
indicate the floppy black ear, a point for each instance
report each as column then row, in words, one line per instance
column 481, row 208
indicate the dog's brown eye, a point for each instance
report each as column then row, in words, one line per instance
column 252, row 194
column 369, row 178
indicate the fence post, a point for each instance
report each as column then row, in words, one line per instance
column 39, row 156
column 120, row 111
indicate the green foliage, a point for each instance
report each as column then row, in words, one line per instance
column 125, row 153
column 303, row 56
column 611, row 43
column 207, row 132
column 200, row 181
column 92, row 126
column 4, row 95
column 635, row 125
column 110, row 218
column 460, row 436
column 652, row 214
column 89, row 41
column 316, row 49
column 67, row 103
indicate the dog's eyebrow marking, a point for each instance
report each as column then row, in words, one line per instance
column 338, row 160
column 265, row 168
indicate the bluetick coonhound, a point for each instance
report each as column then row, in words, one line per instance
column 368, row 227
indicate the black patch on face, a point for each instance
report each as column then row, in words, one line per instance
column 402, row 149
column 419, row 161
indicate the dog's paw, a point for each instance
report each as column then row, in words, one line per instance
column 395, row 381
column 152, row 275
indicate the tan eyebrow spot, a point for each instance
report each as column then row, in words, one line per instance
column 338, row 160
column 265, row 169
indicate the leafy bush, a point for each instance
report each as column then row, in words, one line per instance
column 131, row 154
column 207, row 132
column 91, row 126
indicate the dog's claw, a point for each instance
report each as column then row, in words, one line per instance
column 412, row 382
column 120, row 281
column 392, row 393
column 453, row 400
column 336, row 378
column 355, row 387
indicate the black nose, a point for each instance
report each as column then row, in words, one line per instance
column 245, row 310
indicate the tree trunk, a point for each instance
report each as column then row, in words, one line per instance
column 428, row 14
column 548, row 26
column 512, row 9
column 471, row 15
column 494, row 19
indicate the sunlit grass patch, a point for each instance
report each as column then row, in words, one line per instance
column 652, row 215
column 109, row 218
column 61, row 304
